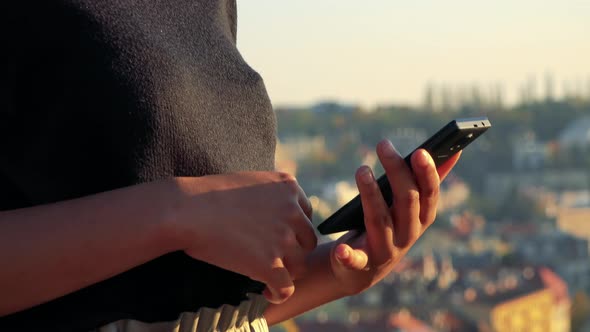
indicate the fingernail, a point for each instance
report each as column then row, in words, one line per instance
column 342, row 253
column 387, row 149
column 269, row 296
column 366, row 175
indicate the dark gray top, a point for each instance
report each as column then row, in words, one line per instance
column 97, row 95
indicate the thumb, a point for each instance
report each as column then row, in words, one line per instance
column 279, row 284
column 353, row 259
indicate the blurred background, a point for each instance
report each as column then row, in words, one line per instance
column 509, row 249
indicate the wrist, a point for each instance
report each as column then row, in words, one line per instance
column 171, row 231
column 184, row 222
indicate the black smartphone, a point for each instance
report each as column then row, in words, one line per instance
column 450, row 139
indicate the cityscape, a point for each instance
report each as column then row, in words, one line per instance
column 510, row 248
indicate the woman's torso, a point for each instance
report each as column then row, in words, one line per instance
column 98, row 95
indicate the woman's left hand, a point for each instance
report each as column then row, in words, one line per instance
column 360, row 260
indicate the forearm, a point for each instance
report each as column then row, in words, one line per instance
column 318, row 287
column 52, row 250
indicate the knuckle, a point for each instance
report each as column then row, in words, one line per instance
column 382, row 220
column 371, row 191
column 410, row 197
column 396, row 164
column 430, row 192
column 287, row 178
column 292, row 211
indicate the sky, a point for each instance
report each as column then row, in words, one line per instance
column 378, row 52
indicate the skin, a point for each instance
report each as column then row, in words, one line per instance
column 210, row 215
column 358, row 261
column 52, row 250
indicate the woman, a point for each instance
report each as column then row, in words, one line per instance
column 137, row 186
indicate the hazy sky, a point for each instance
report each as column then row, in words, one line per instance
column 382, row 51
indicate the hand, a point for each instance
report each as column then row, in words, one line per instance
column 256, row 224
column 360, row 260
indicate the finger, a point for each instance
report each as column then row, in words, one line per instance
column 304, row 232
column 406, row 197
column 303, row 227
column 279, row 286
column 351, row 258
column 447, row 166
column 428, row 184
column 304, row 203
column 351, row 238
column 378, row 223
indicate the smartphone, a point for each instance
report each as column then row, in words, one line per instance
column 450, row 139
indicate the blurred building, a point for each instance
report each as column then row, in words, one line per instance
column 284, row 162
column 434, row 294
column 585, row 327
column 403, row 321
column 302, row 147
column 575, row 220
column 501, row 184
column 564, row 253
column 573, row 213
column 577, row 134
column 453, row 193
column 546, row 309
column 333, row 107
column 516, row 299
column 528, row 153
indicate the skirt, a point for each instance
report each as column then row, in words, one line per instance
column 246, row 317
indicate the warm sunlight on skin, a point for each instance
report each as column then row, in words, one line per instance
column 387, row 51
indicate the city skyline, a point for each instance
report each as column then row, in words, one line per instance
column 389, row 51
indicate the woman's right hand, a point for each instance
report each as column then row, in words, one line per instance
column 254, row 223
